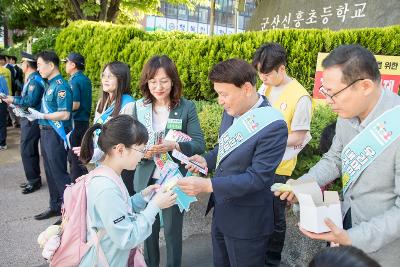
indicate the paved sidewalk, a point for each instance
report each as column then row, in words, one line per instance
column 19, row 231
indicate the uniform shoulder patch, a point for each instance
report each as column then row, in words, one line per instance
column 31, row 87
column 61, row 94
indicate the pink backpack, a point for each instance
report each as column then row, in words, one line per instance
column 73, row 245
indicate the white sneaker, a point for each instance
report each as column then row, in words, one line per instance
column 3, row 147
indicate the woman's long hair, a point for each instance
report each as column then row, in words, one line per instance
column 122, row 72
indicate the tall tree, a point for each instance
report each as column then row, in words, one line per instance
column 108, row 10
column 23, row 14
column 212, row 17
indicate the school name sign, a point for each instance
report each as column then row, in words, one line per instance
column 334, row 14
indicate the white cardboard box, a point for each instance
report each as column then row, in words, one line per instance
column 315, row 207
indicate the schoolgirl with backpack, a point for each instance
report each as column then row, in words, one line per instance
column 101, row 224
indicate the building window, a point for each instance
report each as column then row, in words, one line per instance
column 182, row 12
column 162, row 7
column 193, row 16
column 171, row 11
column 230, row 6
column 246, row 22
column 230, row 19
column 224, row 14
column 221, row 18
column 241, row 22
column 203, row 15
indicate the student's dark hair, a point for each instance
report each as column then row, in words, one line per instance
column 49, row 56
column 79, row 66
column 355, row 62
column 14, row 58
column 3, row 57
column 123, row 74
column 325, row 142
column 149, row 71
column 233, row 71
column 269, row 57
column 32, row 64
column 122, row 129
column 343, row 256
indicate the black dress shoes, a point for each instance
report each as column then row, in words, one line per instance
column 47, row 214
column 30, row 188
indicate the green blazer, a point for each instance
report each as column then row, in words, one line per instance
column 186, row 111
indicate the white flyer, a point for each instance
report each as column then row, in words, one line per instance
column 182, row 157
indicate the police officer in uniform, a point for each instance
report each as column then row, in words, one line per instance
column 30, row 134
column 82, row 104
column 55, row 123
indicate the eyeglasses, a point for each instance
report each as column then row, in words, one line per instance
column 327, row 95
column 107, row 77
column 162, row 83
column 139, row 150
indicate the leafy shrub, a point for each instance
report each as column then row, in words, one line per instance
column 45, row 39
column 195, row 54
column 210, row 116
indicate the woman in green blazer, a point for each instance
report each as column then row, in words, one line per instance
column 162, row 109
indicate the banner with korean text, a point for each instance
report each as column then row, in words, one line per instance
column 389, row 67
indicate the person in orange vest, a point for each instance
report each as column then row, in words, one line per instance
column 288, row 96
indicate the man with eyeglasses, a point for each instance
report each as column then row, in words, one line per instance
column 365, row 152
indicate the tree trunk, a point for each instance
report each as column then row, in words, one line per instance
column 212, row 17
column 5, row 32
column 113, row 10
column 103, row 10
column 77, row 9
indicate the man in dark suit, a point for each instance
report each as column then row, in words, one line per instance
column 19, row 75
column 244, row 167
column 5, row 61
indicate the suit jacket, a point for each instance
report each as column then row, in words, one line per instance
column 186, row 111
column 242, row 198
column 374, row 198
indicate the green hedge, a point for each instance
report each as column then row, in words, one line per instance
column 102, row 42
column 195, row 54
column 210, row 115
